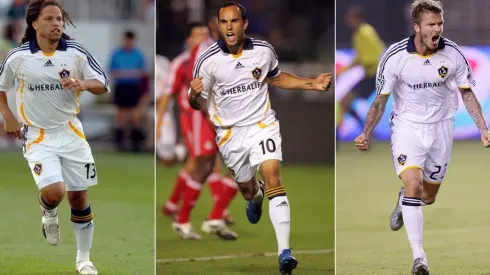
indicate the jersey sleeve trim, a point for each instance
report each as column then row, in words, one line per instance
column 206, row 55
column 24, row 47
column 275, row 72
column 91, row 60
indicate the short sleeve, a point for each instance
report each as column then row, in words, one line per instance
column 203, row 68
column 274, row 63
column 386, row 76
column 7, row 75
column 463, row 73
column 91, row 69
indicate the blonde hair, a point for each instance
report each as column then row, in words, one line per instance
column 420, row 6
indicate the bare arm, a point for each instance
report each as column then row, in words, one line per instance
column 4, row 107
column 474, row 108
column 161, row 108
column 95, row 86
column 289, row 81
column 375, row 113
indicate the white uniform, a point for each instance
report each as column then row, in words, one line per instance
column 238, row 104
column 53, row 139
column 425, row 101
column 165, row 146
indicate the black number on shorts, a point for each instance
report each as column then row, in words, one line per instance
column 269, row 144
column 438, row 167
column 94, row 172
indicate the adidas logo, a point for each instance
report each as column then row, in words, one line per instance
column 239, row 66
column 427, row 62
column 283, row 203
column 48, row 64
column 90, row 224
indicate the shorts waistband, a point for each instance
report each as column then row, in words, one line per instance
column 58, row 129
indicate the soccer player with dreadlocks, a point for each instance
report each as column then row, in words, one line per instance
column 50, row 72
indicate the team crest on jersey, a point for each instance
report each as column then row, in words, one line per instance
column 38, row 168
column 402, row 159
column 64, row 73
column 256, row 73
column 442, row 71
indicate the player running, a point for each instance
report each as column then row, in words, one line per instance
column 422, row 71
column 231, row 84
column 50, row 72
column 199, row 138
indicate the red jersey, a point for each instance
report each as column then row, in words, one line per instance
column 177, row 83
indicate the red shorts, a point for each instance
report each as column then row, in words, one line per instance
column 199, row 135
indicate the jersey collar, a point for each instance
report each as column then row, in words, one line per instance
column 411, row 44
column 247, row 44
column 34, row 47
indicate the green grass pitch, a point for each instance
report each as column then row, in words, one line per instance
column 456, row 226
column 123, row 208
column 310, row 191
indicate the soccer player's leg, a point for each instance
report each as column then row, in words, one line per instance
column 223, row 190
column 80, row 173
column 409, row 158
column 266, row 155
column 437, row 160
column 46, row 171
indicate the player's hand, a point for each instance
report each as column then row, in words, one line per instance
column 323, row 82
column 11, row 126
column 196, row 86
column 76, row 85
column 362, row 142
column 485, row 138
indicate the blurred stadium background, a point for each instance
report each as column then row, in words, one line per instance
column 126, row 180
column 365, row 244
column 302, row 33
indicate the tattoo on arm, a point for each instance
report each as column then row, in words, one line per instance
column 474, row 109
column 375, row 113
column 309, row 84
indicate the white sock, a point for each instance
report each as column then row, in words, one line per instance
column 84, row 232
column 259, row 196
column 422, row 203
column 413, row 219
column 280, row 215
column 52, row 212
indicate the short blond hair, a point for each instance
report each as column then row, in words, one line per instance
column 420, row 6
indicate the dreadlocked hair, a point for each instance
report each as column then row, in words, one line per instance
column 34, row 10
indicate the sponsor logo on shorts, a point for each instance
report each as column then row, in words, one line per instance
column 443, row 70
column 402, row 159
column 38, row 168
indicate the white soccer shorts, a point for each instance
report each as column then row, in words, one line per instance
column 60, row 155
column 244, row 148
column 165, row 146
column 424, row 146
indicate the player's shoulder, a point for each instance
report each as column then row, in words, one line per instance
column 263, row 46
column 18, row 51
column 205, row 50
column 450, row 47
column 77, row 49
column 399, row 47
column 180, row 59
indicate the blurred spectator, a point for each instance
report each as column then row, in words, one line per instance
column 368, row 47
column 17, row 9
column 127, row 68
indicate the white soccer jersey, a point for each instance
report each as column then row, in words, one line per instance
column 235, row 86
column 42, row 101
column 424, row 87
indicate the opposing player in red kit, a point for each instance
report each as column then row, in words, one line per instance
column 199, row 137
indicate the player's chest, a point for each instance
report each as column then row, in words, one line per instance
column 48, row 70
column 242, row 70
column 422, row 71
